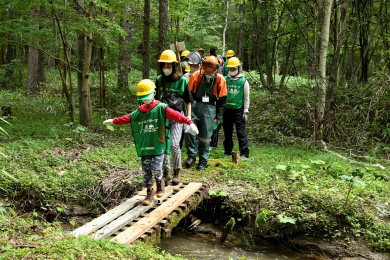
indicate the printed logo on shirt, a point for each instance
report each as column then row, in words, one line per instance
column 233, row 91
column 149, row 129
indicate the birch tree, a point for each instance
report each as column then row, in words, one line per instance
column 322, row 84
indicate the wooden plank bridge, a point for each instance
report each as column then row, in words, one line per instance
column 131, row 220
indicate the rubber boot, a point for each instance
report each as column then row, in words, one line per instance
column 149, row 196
column 190, row 161
column 176, row 176
column 160, row 188
column 167, row 176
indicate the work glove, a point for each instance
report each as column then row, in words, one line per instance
column 108, row 122
column 192, row 129
column 245, row 117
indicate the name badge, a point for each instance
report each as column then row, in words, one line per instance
column 205, row 99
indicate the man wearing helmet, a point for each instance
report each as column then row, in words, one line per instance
column 184, row 59
column 194, row 61
column 225, row 69
column 237, row 108
column 208, row 89
column 201, row 52
column 213, row 52
column 172, row 87
column 148, row 123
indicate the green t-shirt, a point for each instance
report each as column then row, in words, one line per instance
column 225, row 69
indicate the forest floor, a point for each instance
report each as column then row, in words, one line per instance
column 306, row 198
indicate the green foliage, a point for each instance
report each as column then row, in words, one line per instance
column 282, row 218
column 262, row 217
column 218, row 193
column 48, row 240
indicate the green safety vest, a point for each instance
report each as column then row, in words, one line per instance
column 149, row 130
column 175, row 88
column 235, row 92
column 226, row 69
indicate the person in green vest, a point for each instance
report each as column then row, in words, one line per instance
column 148, row 123
column 172, row 89
column 237, row 109
column 225, row 70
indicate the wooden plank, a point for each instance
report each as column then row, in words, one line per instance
column 107, row 217
column 125, row 219
column 136, row 230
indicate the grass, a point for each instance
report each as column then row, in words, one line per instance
column 53, row 162
column 22, row 238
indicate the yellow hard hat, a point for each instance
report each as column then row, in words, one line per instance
column 200, row 49
column 230, row 53
column 187, row 68
column 233, row 63
column 145, row 89
column 168, row 56
column 184, row 53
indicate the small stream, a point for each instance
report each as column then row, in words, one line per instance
column 202, row 248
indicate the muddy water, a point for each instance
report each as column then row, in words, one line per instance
column 203, row 248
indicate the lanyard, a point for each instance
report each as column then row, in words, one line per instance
column 204, row 86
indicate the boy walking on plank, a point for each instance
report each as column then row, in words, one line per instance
column 151, row 136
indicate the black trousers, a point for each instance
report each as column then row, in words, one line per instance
column 233, row 117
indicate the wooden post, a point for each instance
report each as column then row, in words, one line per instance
column 236, row 157
column 178, row 57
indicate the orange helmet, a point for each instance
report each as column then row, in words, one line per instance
column 210, row 65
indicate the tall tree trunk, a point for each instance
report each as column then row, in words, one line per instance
column 322, row 68
column 32, row 81
column 240, row 33
column 277, row 72
column 124, row 61
column 266, row 54
column 364, row 22
column 336, row 56
column 102, row 78
column 146, row 41
column 41, row 77
column 64, row 68
column 225, row 27
column 163, row 21
column 84, row 52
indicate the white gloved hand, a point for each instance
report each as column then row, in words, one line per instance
column 187, row 129
column 108, row 122
column 245, row 117
column 193, row 129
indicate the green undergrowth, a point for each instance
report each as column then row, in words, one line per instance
column 281, row 190
column 285, row 191
column 25, row 238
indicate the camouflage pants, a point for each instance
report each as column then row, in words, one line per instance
column 152, row 165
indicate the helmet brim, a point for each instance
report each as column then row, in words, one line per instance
column 168, row 61
column 148, row 96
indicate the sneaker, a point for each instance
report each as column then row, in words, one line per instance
column 201, row 166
